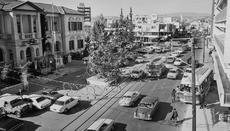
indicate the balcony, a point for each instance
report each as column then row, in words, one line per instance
column 220, row 42
column 23, row 36
column 221, row 17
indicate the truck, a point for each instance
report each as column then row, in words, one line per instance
column 156, row 70
column 14, row 104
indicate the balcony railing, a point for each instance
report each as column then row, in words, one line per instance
column 28, row 36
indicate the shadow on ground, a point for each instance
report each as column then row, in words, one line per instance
column 82, row 105
column 163, row 110
column 120, row 126
column 29, row 126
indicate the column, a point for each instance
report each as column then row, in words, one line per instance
column 38, row 27
column 3, row 24
column 32, row 26
column 21, row 25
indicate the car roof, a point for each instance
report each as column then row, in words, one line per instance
column 63, row 98
column 149, row 99
column 33, row 96
column 8, row 97
column 129, row 93
column 97, row 124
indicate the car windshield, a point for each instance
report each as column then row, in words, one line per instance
column 59, row 103
column 188, row 71
column 15, row 102
column 170, row 58
column 127, row 96
column 145, row 105
column 172, row 71
column 40, row 99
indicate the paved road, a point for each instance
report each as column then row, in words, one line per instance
column 81, row 116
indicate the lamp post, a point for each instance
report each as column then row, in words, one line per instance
column 193, row 90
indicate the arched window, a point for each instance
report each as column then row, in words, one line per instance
column 22, row 55
column 57, row 46
column 37, row 52
column 1, row 55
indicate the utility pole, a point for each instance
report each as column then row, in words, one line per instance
column 193, row 90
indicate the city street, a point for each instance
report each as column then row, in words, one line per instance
column 86, row 112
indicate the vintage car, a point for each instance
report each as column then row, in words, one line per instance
column 173, row 73
column 188, row 71
column 170, row 59
column 64, row 103
column 102, row 125
column 14, row 104
column 137, row 74
column 39, row 101
column 51, row 94
column 9, row 123
column 129, row 98
column 156, row 70
column 175, row 54
column 146, row 108
column 178, row 62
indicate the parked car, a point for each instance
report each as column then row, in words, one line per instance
column 129, row 98
column 146, row 108
column 39, row 101
column 51, row 94
column 178, row 62
column 139, row 59
column 63, row 104
column 9, row 123
column 173, row 73
column 170, row 59
column 188, row 71
column 145, row 50
column 175, row 54
column 137, row 74
column 102, row 125
column 158, row 50
column 14, row 104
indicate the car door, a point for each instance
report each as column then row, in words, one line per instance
column 71, row 102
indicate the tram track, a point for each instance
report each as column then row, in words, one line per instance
column 101, row 106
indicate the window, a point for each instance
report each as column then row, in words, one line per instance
column 22, row 55
column 80, row 44
column 71, row 45
column 34, row 23
column 75, row 26
column 79, row 25
column 37, row 52
column 11, row 55
column 18, row 23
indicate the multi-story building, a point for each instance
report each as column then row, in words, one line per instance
column 86, row 11
column 32, row 31
column 149, row 28
column 221, row 39
column 20, row 32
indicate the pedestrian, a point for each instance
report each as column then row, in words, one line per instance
column 173, row 95
column 175, row 116
column 210, row 53
column 202, row 101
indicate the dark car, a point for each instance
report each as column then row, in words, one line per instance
column 9, row 123
column 51, row 94
column 146, row 108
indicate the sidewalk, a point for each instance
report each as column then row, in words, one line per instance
column 207, row 119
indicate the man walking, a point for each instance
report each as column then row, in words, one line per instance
column 175, row 116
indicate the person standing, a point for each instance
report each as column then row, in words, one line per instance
column 175, row 116
column 173, row 94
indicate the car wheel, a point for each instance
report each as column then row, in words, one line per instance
column 18, row 114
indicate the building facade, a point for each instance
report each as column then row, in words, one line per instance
column 86, row 10
column 20, row 33
column 221, row 39
column 30, row 31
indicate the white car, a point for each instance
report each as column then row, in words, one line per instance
column 187, row 71
column 129, row 98
column 63, row 104
column 173, row 73
column 178, row 62
column 175, row 54
column 102, row 125
column 38, row 101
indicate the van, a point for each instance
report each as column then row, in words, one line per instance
column 102, row 125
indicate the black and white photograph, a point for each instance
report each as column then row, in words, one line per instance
column 114, row 65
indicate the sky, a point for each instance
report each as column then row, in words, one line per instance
column 141, row 7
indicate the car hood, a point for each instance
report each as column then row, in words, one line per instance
column 125, row 101
column 56, row 107
column 56, row 96
column 144, row 110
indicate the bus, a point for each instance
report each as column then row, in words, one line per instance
column 203, row 79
